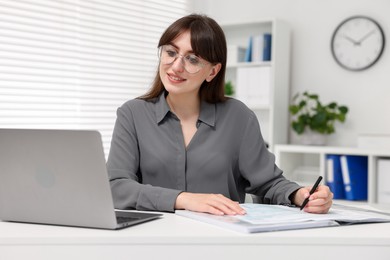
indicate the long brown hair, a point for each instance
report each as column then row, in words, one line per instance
column 207, row 41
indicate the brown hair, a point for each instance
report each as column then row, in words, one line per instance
column 207, row 41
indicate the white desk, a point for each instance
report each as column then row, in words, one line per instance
column 175, row 237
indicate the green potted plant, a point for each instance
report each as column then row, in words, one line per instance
column 309, row 114
column 229, row 89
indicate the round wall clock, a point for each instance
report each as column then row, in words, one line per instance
column 357, row 43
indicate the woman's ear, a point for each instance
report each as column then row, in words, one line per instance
column 213, row 72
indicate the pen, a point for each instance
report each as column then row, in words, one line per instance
column 315, row 186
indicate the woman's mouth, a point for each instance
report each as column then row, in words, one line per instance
column 175, row 78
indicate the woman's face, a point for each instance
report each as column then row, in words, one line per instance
column 175, row 76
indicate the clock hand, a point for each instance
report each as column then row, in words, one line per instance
column 351, row 40
column 365, row 37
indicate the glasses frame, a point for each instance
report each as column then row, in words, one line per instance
column 201, row 65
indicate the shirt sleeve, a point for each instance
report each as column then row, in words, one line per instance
column 257, row 166
column 123, row 171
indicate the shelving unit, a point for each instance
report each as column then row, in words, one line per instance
column 273, row 118
column 294, row 160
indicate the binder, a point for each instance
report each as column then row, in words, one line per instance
column 258, row 48
column 267, row 46
column 355, row 176
column 248, row 53
column 334, row 176
column 261, row 47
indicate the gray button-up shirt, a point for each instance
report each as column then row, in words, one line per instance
column 149, row 165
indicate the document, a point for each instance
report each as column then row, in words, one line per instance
column 265, row 218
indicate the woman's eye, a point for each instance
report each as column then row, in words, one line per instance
column 192, row 59
column 171, row 53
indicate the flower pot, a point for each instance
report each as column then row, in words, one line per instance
column 310, row 137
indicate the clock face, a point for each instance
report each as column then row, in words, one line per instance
column 357, row 43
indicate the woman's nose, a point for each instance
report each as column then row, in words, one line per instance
column 178, row 64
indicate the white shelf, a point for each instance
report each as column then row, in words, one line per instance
column 273, row 117
column 291, row 157
column 249, row 64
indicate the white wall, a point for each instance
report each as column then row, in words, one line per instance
column 313, row 68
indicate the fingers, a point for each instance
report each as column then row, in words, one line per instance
column 216, row 204
column 220, row 205
column 320, row 201
column 225, row 205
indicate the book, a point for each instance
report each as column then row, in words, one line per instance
column 248, row 53
column 257, row 48
column 354, row 169
column 235, row 54
column 334, row 176
column 266, row 218
column 267, row 46
column 261, row 47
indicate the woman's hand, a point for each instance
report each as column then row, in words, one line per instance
column 319, row 202
column 216, row 204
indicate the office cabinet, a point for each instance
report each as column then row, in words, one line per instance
column 262, row 85
column 304, row 164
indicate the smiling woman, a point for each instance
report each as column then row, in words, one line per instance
column 209, row 147
column 69, row 64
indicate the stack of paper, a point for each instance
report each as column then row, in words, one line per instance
column 264, row 218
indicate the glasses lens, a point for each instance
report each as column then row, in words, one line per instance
column 191, row 62
column 167, row 54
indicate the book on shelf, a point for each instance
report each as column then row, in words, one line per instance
column 267, row 47
column 354, row 169
column 334, row 176
column 259, row 48
column 235, row 54
column 266, row 218
column 248, row 53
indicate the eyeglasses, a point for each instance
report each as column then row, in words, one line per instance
column 191, row 63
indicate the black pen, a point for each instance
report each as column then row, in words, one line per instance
column 315, row 186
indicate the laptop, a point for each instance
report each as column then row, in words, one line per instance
column 58, row 177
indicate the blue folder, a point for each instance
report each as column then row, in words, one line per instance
column 355, row 175
column 267, row 46
column 334, row 176
column 248, row 53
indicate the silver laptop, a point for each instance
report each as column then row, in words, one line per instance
column 58, row 177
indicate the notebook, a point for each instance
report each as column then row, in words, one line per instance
column 58, row 177
column 266, row 218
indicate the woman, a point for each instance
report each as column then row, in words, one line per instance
column 184, row 145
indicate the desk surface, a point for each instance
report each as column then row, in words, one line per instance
column 175, row 237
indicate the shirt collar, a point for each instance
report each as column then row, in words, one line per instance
column 207, row 111
column 162, row 108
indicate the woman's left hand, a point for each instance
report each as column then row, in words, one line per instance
column 319, row 202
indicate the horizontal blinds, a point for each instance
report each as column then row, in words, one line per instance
column 69, row 64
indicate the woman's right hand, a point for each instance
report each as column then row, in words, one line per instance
column 216, row 204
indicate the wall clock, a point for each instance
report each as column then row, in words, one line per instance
column 357, row 43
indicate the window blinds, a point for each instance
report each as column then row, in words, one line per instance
column 70, row 64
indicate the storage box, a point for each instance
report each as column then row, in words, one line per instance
column 384, row 181
column 253, row 86
column 235, row 54
column 374, row 141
